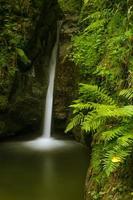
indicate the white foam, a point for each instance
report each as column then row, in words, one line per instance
column 47, row 144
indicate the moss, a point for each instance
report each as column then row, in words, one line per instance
column 117, row 186
column 66, row 73
column 2, row 126
column 25, row 111
column 71, row 6
column 3, row 102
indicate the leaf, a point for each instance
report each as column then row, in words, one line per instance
column 23, row 56
column 116, row 159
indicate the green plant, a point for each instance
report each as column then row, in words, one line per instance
column 96, row 113
column 103, row 51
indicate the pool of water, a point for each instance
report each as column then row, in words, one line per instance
column 42, row 170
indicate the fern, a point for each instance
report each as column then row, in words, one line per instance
column 113, row 158
column 92, row 122
column 96, row 25
column 113, row 133
column 96, row 112
column 103, row 50
column 126, row 140
column 77, row 120
column 101, row 95
column 127, row 93
column 97, row 153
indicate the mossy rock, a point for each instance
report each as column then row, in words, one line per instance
column 27, row 109
column 25, row 112
column 71, row 6
column 3, row 102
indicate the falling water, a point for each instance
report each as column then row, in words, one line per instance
column 50, row 90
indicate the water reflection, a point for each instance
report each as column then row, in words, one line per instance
column 31, row 173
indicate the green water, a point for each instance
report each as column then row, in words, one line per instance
column 41, row 170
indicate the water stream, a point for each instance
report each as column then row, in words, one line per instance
column 50, row 90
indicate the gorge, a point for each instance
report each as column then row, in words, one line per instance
column 66, row 94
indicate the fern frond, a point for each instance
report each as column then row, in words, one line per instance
column 114, row 111
column 98, row 94
column 92, row 122
column 95, row 25
column 81, row 106
column 102, row 113
column 97, row 155
column 99, row 114
column 125, row 140
column 127, row 93
column 114, row 157
column 112, row 133
column 77, row 120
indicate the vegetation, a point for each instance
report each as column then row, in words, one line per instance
column 22, row 39
column 103, row 50
column 16, row 21
column 72, row 6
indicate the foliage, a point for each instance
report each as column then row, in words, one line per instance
column 110, row 123
column 16, row 24
column 103, row 51
column 73, row 6
column 23, row 56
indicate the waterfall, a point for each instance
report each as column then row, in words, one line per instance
column 50, row 90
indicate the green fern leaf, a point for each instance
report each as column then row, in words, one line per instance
column 77, row 120
column 127, row 93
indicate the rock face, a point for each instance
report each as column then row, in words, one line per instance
column 24, row 106
column 66, row 73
